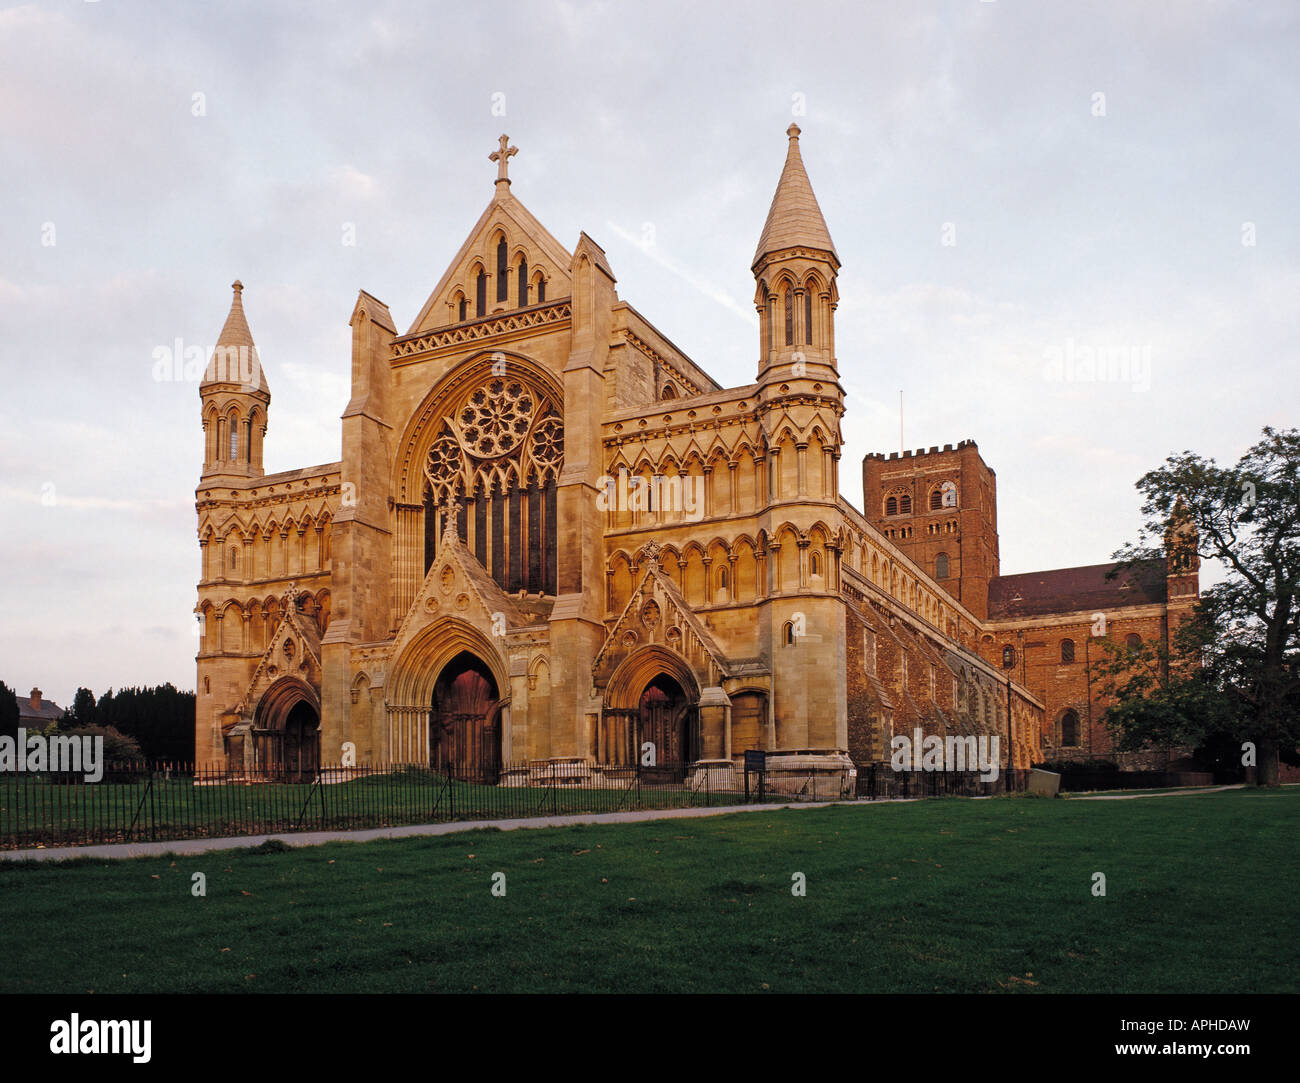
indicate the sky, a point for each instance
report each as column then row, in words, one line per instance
column 1012, row 187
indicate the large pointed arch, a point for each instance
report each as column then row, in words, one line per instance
column 638, row 669
column 413, row 676
column 426, row 422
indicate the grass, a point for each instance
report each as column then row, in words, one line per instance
column 944, row 895
column 35, row 811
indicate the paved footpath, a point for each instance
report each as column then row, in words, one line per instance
column 1159, row 793
column 315, row 838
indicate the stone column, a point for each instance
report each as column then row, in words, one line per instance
column 715, row 724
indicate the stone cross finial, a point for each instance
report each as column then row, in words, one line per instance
column 502, row 158
column 451, row 524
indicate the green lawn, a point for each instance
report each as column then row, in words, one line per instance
column 35, row 811
column 950, row 895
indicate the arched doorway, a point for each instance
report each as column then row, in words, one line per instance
column 651, row 696
column 286, row 732
column 465, row 722
column 665, row 719
column 300, row 755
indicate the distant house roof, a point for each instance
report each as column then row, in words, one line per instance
column 35, row 708
column 1068, row 590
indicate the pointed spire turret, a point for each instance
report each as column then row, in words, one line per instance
column 235, row 360
column 794, row 219
column 235, row 398
column 795, row 269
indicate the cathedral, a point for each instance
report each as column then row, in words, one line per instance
column 555, row 545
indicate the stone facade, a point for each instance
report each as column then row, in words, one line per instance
column 553, row 542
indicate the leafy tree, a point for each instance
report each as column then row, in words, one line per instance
column 8, row 711
column 119, row 748
column 1232, row 671
column 83, row 712
column 160, row 719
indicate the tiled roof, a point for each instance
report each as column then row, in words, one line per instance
column 1068, row 590
column 49, row 711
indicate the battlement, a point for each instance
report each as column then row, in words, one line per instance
column 920, row 452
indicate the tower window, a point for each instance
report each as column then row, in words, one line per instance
column 541, row 290
column 807, row 316
column 523, row 282
column 941, row 566
column 1070, row 729
column 816, row 565
column 789, row 317
column 789, row 634
column 936, row 500
column 768, row 319
column 905, row 504
column 480, row 294
column 462, row 308
column 503, row 271
column 1067, row 651
column 891, row 505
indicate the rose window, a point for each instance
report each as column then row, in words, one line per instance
column 548, row 442
column 443, row 463
column 497, row 458
column 495, row 419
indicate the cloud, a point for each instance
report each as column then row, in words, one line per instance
column 698, row 283
column 1105, row 231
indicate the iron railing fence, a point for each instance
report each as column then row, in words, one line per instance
column 1082, row 781
column 161, row 802
column 879, row 781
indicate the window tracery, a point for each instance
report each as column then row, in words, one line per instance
column 498, row 457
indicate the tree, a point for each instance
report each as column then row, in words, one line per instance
column 119, row 748
column 9, row 715
column 160, row 719
column 1233, row 669
column 83, row 712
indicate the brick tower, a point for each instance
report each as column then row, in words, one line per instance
column 941, row 508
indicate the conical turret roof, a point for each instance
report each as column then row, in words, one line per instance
column 794, row 220
column 235, row 360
